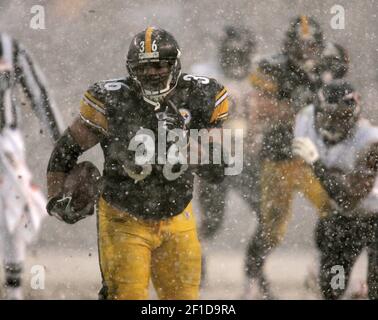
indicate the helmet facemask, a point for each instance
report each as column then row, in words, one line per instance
column 156, row 78
column 335, row 119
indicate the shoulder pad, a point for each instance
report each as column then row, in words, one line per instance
column 93, row 110
column 102, row 89
column 204, row 84
column 268, row 74
column 188, row 80
column 214, row 96
column 93, row 107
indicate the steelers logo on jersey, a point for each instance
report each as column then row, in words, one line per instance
column 185, row 113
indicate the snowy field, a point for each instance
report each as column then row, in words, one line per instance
column 75, row 275
column 86, row 40
column 72, row 272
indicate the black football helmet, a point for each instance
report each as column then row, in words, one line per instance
column 303, row 43
column 153, row 62
column 334, row 62
column 337, row 109
column 235, row 51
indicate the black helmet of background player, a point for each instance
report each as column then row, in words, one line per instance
column 303, row 43
column 334, row 63
column 153, row 62
column 337, row 109
column 235, row 51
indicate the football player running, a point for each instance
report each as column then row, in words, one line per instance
column 232, row 67
column 342, row 149
column 146, row 227
column 284, row 84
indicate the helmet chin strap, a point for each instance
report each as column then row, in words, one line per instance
column 156, row 104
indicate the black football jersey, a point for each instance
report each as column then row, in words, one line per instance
column 295, row 85
column 116, row 110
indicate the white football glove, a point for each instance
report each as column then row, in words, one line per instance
column 306, row 149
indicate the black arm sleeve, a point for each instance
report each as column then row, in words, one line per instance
column 65, row 154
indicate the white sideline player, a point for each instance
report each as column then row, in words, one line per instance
column 22, row 204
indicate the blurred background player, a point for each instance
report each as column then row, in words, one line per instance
column 342, row 149
column 232, row 66
column 334, row 64
column 22, row 204
column 284, row 84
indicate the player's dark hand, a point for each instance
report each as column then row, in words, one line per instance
column 62, row 208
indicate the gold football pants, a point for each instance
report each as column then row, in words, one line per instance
column 133, row 251
column 279, row 181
